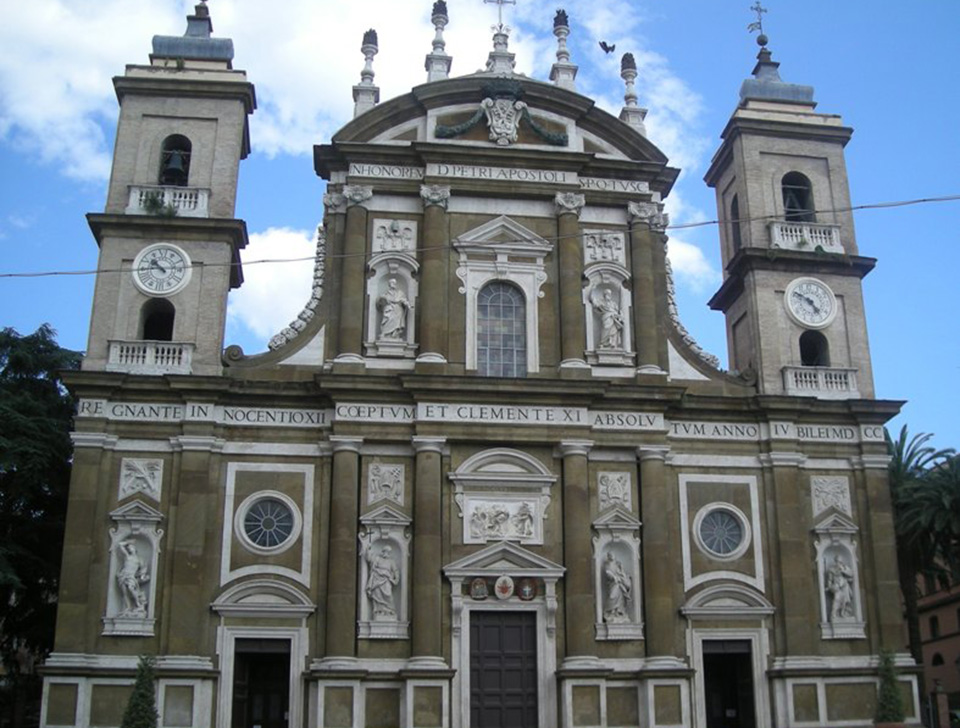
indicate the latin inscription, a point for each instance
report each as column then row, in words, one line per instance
column 502, row 414
column 602, row 184
column 632, row 421
column 352, row 412
column 242, row 416
column 389, row 171
column 501, row 174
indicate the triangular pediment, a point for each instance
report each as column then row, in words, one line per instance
column 836, row 522
column 385, row 515
column 501, row 234
column 136, row 511
column 503, row 557
column 617, row 518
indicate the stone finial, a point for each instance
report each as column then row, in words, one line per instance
column 365, row 94
column 501, row 60
column 563, row 73
column 631, row 113
column 437, row 64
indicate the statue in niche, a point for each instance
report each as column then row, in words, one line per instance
column 382, row 577
column 131, row 575
column 619, row 591
column 393, row 306
column 840, row 589
column 611, row 322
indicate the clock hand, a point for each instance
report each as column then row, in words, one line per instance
column 154, row 263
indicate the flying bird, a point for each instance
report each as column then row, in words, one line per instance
column 608, row 48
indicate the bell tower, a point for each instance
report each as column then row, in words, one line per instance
column 792, row 274
column 169, row 243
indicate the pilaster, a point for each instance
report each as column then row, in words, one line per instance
column 573, row 335
column 342, row 569
column 427, row 548
column 433, row 305
column 647, row 226
column 577, row 552
column 352, row 278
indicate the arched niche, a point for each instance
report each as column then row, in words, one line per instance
column 392, row 290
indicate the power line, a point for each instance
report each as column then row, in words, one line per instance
column 682, row 226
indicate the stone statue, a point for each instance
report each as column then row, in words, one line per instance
column 131, row 575
column 393, row 306
column 840, row 588
column 618, row 591
column 382, row 577
column 611, row 322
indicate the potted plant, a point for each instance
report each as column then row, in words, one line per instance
column 889, row 698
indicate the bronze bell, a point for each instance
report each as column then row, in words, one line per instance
column 174, row 170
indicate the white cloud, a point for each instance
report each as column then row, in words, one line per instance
column 690, row 266
column 273, row 293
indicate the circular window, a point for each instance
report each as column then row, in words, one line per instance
column 268, row 522
column 722, row 531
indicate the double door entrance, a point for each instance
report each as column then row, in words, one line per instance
column 503, row 669
column 261, row 684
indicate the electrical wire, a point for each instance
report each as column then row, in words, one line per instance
column 681, row 226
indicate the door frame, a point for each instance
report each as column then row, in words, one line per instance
column 227, row 650
column 546, row 659
column 759, row 649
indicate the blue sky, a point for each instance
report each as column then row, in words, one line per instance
column 889, row 69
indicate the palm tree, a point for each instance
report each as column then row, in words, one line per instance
column 920, row 519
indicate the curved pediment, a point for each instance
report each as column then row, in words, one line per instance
column 263, row 598
column 727, row 601
column 482, row 110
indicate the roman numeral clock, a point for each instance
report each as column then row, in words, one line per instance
column 161, row 269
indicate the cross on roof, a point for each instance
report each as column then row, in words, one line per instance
column 759, row 10
column 500, row 4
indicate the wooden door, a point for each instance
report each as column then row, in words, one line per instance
column 503, row 669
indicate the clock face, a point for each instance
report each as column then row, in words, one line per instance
column 810, row 302
column 161, row 269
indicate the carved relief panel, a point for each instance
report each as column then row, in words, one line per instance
column 141, row 475
column 395, row 236
column 613, row 489
column 132, row 582
column 385, row 482
column 384, row 581
column 604, row 246
column 504, row 517
column 830, row 491
column 616, row 553
column 838, row 571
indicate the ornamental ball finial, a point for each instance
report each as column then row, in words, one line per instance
column 762, row 40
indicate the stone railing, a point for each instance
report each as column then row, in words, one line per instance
column 168, row 201
column 806, row 236
column 150, row 357
column 821, row 382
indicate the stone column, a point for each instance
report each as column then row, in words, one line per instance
column 433, row 304
column 660, row 508
column 427, row 549
column 573, row 337
column 793, row 578
column 647, row 225
column 342, row 563
column 577, row 550
column 353, row 278
column 334, row 220
column 884, row 592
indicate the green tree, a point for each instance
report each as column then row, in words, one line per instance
column 912, row 462
column 889, row 697
column 36, row 414
column 141, row 709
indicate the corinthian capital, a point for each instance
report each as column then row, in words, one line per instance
column 357, row 194
column 334, row 203
column 650, row 213
column 435, row 195
column 569, row 202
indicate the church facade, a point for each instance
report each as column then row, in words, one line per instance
column 486, row 477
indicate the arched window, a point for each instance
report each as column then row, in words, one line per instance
column 175, row 161
column 501, row 331
column 937, row 660
column 156, row 320
column 735, row 239
column 814, row 350
column 797, row 198
column 934, row 627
